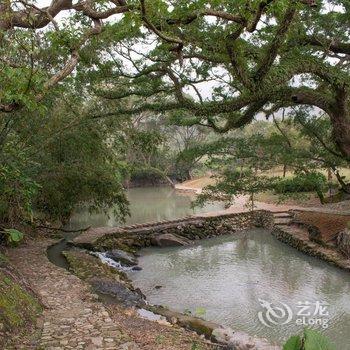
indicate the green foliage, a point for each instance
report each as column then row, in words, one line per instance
column 76, row 156
column 17, row 306
column 200, row 311
column 49, row 169
column 310, row 340
column 293, row 343
column 147, row 175
column 232, row 183
column 18, row 191
column 246, row 159
column 310, row 182
column 12, row 236
column 316, row 341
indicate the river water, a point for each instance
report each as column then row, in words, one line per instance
column 146, row 204
column 224, row 278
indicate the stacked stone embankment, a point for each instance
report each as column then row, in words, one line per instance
column 191, row 228
column 306, row 238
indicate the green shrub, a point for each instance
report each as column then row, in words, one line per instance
column 312, row 182
column 57, row 172
column 147, row 175
column 12, row 236
column 18, row 191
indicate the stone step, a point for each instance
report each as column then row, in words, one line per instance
column 294, row 229
column 282, row 215
column 283, row 221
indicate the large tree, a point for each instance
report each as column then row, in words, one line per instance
column 257, row 57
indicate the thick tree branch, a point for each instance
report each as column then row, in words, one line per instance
column 153, row 28
column 61, row 74
column 251, row 27
column 326, row 44
column 275, row 44
column 35, row 18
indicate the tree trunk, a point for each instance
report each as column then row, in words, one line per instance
column 320, row 196
column 340, row 119
column 345, row 187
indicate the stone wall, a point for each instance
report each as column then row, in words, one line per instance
column 310, row 248
column 131, row 238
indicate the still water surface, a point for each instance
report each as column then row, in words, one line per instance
column 228, row 275
column 146, row 204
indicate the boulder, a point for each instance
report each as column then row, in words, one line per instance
column 240, row 340
column 343, row 242
column 169, row 240
column 119, row 291
column 137, row 268
column 122, row 257
column 222, row 335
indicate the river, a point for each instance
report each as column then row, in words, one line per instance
column 146, row 204
column 224, row 279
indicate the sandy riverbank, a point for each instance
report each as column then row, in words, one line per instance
column 196, row 186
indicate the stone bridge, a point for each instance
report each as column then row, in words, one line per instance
column 189, row 228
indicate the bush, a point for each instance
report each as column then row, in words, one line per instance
column 312, row 182
column 12, row 236
column 144, row 176
column 18, row 191
column 54, row 162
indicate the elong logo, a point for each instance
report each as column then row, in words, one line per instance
column 311, row 314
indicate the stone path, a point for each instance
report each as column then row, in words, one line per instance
column 72, row 318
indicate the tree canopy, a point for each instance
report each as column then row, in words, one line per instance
column 255, row 58
column 215, row 65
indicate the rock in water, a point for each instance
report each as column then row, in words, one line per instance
column 343, row 242
column 122, row 257
column 222, row 335
column 136, row 268
column 169, row 240
column 240, row 340
column 117, row 289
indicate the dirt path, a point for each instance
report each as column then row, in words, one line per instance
column 196, row 185
column 74, row 319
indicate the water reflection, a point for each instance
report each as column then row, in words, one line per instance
column 227, row 275
column 146, row 204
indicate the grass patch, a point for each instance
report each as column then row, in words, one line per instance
column 17, row 306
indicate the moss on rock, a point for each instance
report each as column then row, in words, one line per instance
column 200, row 326
column 19, row 309
column 87, row 267
column 17, row 306
column 103, row 278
